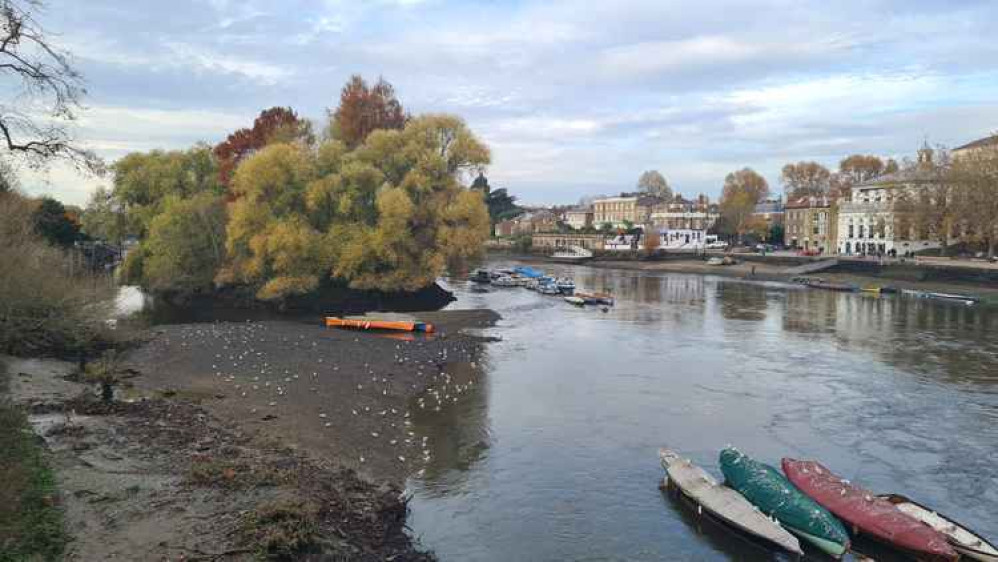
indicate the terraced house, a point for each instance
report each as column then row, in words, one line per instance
column 811, row 224
column 623, row 211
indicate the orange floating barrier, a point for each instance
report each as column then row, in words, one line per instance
column 394, row 325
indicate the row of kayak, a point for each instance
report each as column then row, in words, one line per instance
column 806, row 501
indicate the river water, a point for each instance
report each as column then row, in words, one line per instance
column 554, row 454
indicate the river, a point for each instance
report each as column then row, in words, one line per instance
column 553, row 455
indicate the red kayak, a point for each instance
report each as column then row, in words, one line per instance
column 866, row 513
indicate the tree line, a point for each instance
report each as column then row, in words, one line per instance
column 376, row 201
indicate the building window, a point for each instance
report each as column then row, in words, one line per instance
column 850, row 235
column 860, row 231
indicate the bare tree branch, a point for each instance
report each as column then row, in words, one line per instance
column 54, row 89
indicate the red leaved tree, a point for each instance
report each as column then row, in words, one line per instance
column 364, row 109
column 277, row 124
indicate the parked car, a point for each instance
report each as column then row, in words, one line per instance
column 716, row 245
column 764, row 248
column 809, row 252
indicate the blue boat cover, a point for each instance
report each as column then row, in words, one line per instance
column 528, row 272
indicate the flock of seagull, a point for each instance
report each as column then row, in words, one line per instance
column 240, row 360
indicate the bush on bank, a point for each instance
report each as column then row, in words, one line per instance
column 49, row 303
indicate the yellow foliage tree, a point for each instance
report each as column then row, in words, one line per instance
column 389, row 215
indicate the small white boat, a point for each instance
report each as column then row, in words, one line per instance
column 548, row 289
column 723, row 503
column 963, row 540
column 577, row 301
column 715, row 261
column 572, row 254
column 505, row 281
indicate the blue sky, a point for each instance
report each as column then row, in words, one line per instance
column 574, row 98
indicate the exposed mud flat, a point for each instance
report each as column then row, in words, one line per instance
column 337, row 394
column 191, row 462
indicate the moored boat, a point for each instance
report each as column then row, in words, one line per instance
column 572, row 254
column 724, row 504
column 480, row 276
column 830, row 286
column 866, row 513
column 528, row 272
column 596, row 298
column 566, row 286
column 766, row 488
column 577, row 301
column 968, row 543
column 505, row 281
column 392, row 325
column 548, row 289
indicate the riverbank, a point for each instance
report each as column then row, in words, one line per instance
column 310, row 461
column 769, row 271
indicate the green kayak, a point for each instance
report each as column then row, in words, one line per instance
column 770, row 491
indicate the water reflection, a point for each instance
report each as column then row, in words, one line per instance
column 553, row 454
column 452, row 415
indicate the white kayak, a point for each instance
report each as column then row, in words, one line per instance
column 962, row 539
column 723, row 503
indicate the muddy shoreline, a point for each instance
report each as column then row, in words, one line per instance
column 242, row 440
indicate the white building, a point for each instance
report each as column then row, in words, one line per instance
column 683, row 238
column 867, row 222
column 579, row 218
column 621, row 243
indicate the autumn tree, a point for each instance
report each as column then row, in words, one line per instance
column 277, row 124
column 975, row 181
column 143, row 181
column 805, row 179
column 363, row 109
column 743, row 190
column 45, row 91
column 859, row 168
column 389, row 215
column 652, row 182
column 925, row 204
column 652, row 240
column 54, row 224
column 185, row 246
column 104, row 217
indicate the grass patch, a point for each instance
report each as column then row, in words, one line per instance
column 236, row 474
column 284, row 530
column 31, row 523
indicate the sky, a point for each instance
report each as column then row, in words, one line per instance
column 573, row 98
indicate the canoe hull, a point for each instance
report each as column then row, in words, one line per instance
column 724, row 504
column 766, row 488
column 967, row 542
column 867, row 514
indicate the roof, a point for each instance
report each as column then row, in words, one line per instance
column 979, row 143
column 769, row 207
column 808, row 202
column 916, row 174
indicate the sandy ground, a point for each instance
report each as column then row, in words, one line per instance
column 229, row 438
